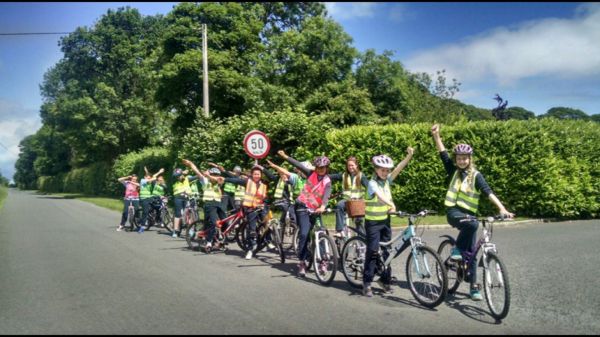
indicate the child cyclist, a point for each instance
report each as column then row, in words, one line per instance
column 462, row 200
column 378, row 206
column 132, row 195
column 314, row 197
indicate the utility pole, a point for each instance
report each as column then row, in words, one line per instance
column 205, row 70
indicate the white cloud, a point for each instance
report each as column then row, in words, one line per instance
column 397, row 12
column 564, row 48
column 350, row 10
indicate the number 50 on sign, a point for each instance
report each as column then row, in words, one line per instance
column 257, row 144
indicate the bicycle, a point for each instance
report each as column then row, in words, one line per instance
column 189, row 215
column 349, row 232
column 132, row 217
column 425, row 272
column 224, row 232
column 495, row 276
column 160, row 211
column 321, row 249
column 269, row 228
column 288, row 228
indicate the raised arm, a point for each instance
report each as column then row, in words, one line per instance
column 282, row 171
column 294, row 162
column 401, row 165
column 435, row 132
column 191, row 165
column 155, row 175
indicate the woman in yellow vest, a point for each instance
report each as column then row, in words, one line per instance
column 353, row 186
column 462, row 199
column 254, row 197
column 378, row 206
column 181, row 191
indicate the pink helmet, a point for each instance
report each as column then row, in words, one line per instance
column 321, row 161
column 463, row 149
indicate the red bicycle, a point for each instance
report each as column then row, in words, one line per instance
column 225, row 230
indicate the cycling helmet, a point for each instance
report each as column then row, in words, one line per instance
column 383, row 161
column 213, row 171
column 463, row 149
column 308, row 165
column 321, row 161
column 177, row 172
column 237, row 169
column 256, row 167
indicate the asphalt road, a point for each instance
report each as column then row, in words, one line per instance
column 65, row 270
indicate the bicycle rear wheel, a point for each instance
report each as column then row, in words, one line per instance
column 131, row 220
column 325, row 261
column 426, row 276
column 167, row 220
column 353, row 261
column 453, row 270
column 288, row 232
column 496, row 286
column 191, row 235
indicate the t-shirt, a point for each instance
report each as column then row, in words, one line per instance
column 131, row 190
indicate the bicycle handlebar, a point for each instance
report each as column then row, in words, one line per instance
column 424, row 212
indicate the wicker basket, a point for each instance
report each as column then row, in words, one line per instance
column 355, row 208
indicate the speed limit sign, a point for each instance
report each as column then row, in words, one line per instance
column 257, row 144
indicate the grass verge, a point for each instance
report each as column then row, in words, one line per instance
column 3, row 194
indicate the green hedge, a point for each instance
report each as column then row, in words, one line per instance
column 546, row 168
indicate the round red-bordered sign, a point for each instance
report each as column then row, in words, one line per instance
column 257, row 144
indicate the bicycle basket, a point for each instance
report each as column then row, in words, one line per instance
column 355, row 208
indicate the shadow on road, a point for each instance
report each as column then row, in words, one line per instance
column 469, row 308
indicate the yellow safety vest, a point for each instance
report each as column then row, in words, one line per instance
column 255, row 195
column 462, row 194
column 376, row 209
column 353, row 189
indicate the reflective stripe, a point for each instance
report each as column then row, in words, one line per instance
column 255, row 195
column 355, row 190
column 300, row 182
column 212, row 192
column 376, row 209
column 462, row 194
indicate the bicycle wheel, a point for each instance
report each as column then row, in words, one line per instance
column 287, row 235
column 191, row 235
column 277, row 241
column 167, row 220
column 353, row 261
column 133, row 226
column 453, row 270
column 426, row 277
column 325, row 261
column 240, row 235
column 496, row 286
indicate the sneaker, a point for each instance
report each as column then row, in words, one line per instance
column 174, row 235
column 120, row 228
column 191, row 233
column 141, row 229
column 386, row 287
column 476, row 294
column 301, row 269
column 455, row 255
column 249, row 255
column 270, row 245
column 339, row 234
column 323, row 267
column 367, row 291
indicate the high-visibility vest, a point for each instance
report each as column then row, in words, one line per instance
column 181, row 187
column 240, row 191
column 158, row 190
column 463, row 193
column 353, row 189
column 279, row 189
column 229, row 187
column 194, row 188
column 212, row 192
column 298, row 187
column 255, row 195
column 313, row 191
column 376, row 209
column 145, row 190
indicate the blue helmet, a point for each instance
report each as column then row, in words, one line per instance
column 177, row 172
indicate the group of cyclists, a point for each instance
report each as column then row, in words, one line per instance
column 306, row 191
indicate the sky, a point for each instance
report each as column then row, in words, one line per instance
column 534, row 55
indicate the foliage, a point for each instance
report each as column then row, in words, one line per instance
column 565, row 113
column 517, row 112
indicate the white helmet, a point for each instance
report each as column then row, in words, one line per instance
column 308, row 165
column 383, row 161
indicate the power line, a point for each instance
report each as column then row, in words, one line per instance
column 7, row 149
